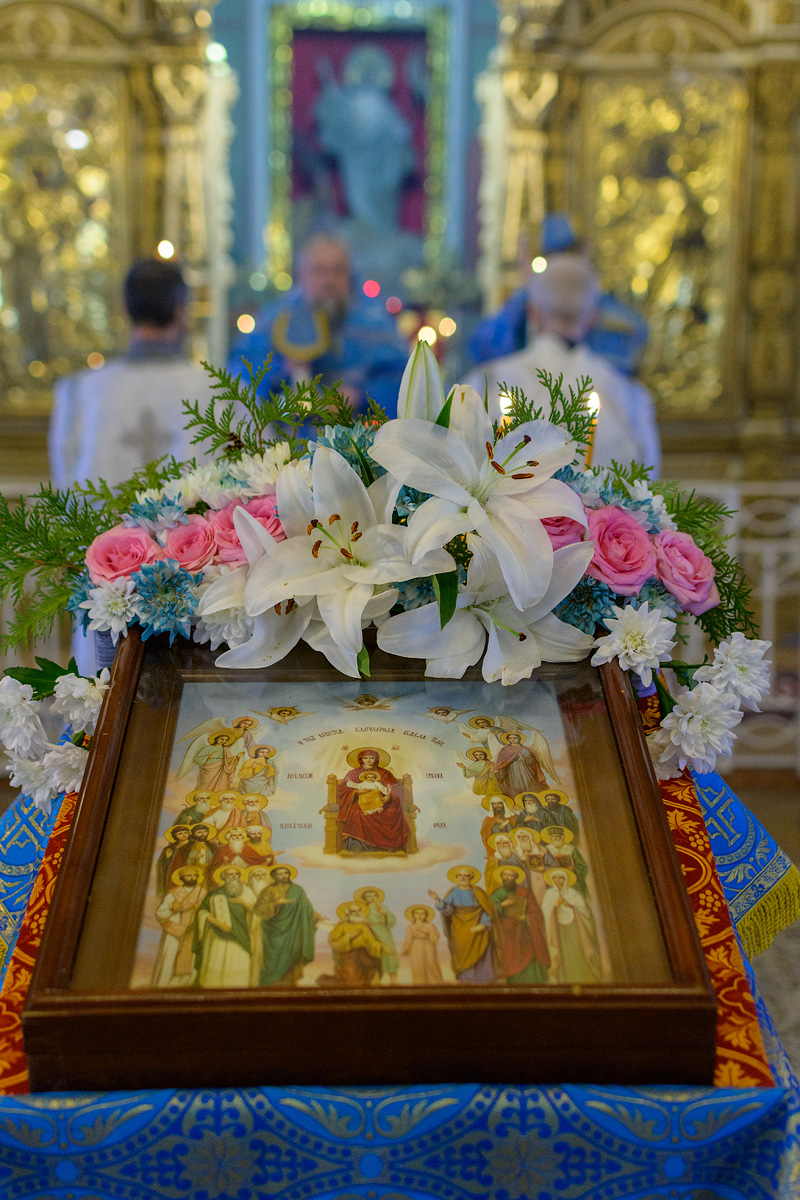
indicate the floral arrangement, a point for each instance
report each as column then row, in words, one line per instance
column 461, row 537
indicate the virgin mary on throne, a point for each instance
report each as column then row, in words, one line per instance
column 370, row 811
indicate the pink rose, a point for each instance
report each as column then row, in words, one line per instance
column 119, row 552
column 264, row 509
column 563, row 531
column 624, row 557
column 686, row 571
column 229, row 548
column 191, row 545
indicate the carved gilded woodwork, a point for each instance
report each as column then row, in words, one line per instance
column 671, row 139
column 102, row 140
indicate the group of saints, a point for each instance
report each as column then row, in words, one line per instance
column 232, row 915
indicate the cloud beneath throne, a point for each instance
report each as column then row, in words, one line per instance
column 430, row 854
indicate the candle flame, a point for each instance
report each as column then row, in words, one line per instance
column 593, row 403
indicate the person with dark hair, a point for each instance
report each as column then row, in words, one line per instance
column 109, row 421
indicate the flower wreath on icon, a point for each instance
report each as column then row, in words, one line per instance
column 461, row 537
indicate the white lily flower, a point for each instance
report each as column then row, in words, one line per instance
column 501, row 490
column 421, row 392
column 340, row 548
column 739, row 667
column 640, row 639
column 272, row 633
column 518, row 641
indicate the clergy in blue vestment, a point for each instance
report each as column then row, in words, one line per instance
column 324, row 326
column 618, row 332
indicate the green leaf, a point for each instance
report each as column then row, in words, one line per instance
column 665, row 701
column 445, row 589
column 362, row 659
column 367, row 474
column 443, row 418
column 43, row 680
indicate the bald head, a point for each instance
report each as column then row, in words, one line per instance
column 563, row 298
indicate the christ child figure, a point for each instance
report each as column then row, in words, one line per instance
column 371, row 792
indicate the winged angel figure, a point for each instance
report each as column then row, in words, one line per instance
column 216, row 748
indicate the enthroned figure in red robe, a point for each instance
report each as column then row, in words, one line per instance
column 371, row 815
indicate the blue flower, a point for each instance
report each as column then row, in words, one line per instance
column 587, row 605
column 80, row 593
column 166, row 599
column 408, row 501
column 657, row 596
column 156, row 515
column 595, row 489
column 414, row 593
column 348, row 440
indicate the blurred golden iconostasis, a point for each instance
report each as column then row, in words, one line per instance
column 113, row 138
column 669, row 133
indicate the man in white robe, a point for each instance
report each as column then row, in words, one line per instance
column 562, row 303
column 222, row 939
column 107, row 423
column 174, row 966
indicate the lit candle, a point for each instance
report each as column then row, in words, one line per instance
column 593, row 405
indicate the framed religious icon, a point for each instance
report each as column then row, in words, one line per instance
column 286, row 876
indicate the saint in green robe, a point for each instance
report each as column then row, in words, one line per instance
column 287, row 932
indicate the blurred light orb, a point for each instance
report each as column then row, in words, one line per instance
column 372, row 288
column 258, row 281
column 95, row 360
column 202, row 18
column 539, row 264
column 216, row 52
column 165, row 249
column 394, row 304
column 447, row 327
column 76, row 139
column 283, row 281
column 427, row 334
column 246, row 323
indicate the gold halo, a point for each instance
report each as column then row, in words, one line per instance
column 189, row 798
column 176, row 874
column 572, row 878
column 534, row 833
column 369, row 887
column 568, row 834
column 480, row 717
column 286, row 867
column 263, row 800
column 254, row 748
column 507, row 733
column 474, row 749
column 168, row 833
column 563, row 798
column 216, row 877
column 225, row 834
column 244, row 718
column 520, row 803
column 231, row 734
column 451, row 874
column 344, row 906
column 492, row 839
column 498, row 868
column 212, row 830
column 280, row 708
column 382, row 756
column 412, row 908
column 486, row 801
column 227, row 792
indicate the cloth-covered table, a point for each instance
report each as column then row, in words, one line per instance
column 738, row 1141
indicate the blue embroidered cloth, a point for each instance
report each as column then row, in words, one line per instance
column 24, row 831
column 449, row 1143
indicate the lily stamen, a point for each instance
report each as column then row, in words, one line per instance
column 490, row 450
column 356, row 536
column 497, row 467
column 315, row 548
column 333, row 518
column 346, row 553
column 523, row 475
column 354, row 527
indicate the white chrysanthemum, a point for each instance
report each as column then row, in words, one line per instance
column 64, row 767
column 640, row 491
column 80, row 700
column 739, row 667
column 697, row 730
column 638, row 638
column 21, row 730
column 111, row 607
column 33, row 780
column 149, row 494
column 212, row 484
column 259, row 472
